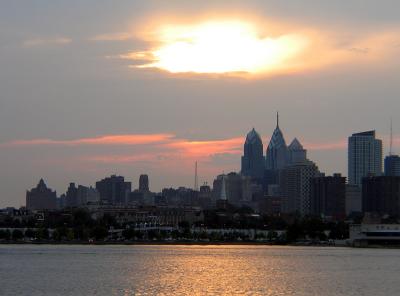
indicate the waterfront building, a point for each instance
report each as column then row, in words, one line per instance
column 392, row 165
column 364, row 156
column 328, row 196
column 41, row 198
column 362, row 235
column 381, row 195
column 114, row 190
column 253, row 158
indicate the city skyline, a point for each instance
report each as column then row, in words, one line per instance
column 75, row 106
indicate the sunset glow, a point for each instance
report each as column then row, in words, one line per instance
column 222, row 47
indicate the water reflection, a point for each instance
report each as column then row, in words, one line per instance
column 197, row 270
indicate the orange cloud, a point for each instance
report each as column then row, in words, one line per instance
column 207, row 148
column 132, row 139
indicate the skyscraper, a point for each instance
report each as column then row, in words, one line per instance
column 114, row 190
column 277, row 152
column 144, row 183
column 71, row 197
column 41, row 198
column 295, row 186
column 328, row 196
column 392, row 165
column 296, row 152
column 253, row 159
column 364, row 156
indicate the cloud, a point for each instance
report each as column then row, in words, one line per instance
column 122, row 36
column 213, row 48
column 131, row 139
column 37, row 42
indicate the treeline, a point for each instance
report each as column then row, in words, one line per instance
column 78, row 225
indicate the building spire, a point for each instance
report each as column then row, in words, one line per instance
column 277, row 119
column 391, row 137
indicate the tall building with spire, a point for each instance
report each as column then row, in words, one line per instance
column 276, row 156
column 253, row 158
column 277, row 151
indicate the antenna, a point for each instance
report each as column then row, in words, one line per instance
column 391, row 137
column 196, row 186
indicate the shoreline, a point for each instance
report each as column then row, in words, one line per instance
column 171, row 243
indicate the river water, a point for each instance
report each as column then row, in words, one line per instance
column 197, row 270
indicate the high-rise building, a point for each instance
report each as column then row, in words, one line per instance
column 81, row 195
column 328, row 196
column 381, row 195
column 364, row 156
column 253, row 158
column 235, row 188
column 295, row 186
column 71, row 197
column 296, row 152
column 392, row 165
column 114, row 190
column 41, row 198
column 87, row 195
column 144, row 183
column 277, row 152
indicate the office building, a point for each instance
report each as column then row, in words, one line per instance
column 364, row 156
column 253, row 158
column 144, row 183
column 41, row 198
column 328, row 196
column 114, row 190
column 381, row 195
column 296, row 152
column 295, row 187
column 392, row 165
column 277, row 151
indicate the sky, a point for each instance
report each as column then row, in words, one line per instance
column 79, row 101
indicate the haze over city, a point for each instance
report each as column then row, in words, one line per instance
column 88, row 89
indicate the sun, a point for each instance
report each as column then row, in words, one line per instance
column 222, row 47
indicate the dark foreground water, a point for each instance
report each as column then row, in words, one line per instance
column 197, row 270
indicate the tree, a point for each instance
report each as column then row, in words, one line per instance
column 29, row 233
column 294, row 232
column 99, row 232
column 5, row 234
column 17, row 234
column 42, row 233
